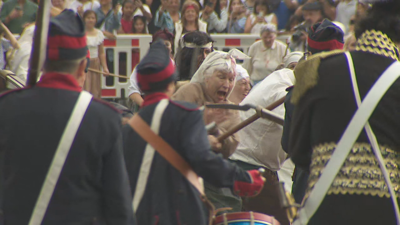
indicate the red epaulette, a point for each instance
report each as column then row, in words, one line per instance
column 185, row 105
column 107, row 104
column 11, row 91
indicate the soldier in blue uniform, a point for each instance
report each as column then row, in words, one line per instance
column 166, row 196
column 92, row 186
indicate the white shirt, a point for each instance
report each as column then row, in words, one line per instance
column 93, row 5
column 260, row 141
column 20, row 62
column 133, row 86
column 344, row 12
column 93, row 43
column 215, row 23
column 264, row 61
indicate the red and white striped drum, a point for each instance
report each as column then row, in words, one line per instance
column 245, row 218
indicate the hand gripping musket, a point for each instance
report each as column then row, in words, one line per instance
column 261, row 112
column 286, row 199
column 266, row 112
column 40, row 41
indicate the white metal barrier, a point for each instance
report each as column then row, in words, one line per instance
column 117, row 88
column 113, row 87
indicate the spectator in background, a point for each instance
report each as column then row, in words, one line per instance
column 59, row 4
column 107, row 19
column 130, row 10
column 137, row 8
column 312, row 13
column 16, row 13
column 167, row 15
column 189, row 22
column 284, row 11
column 249, row 6
column 345, row 10
column 95, row 40
column 139, row 25
column 216, row 16
column 328, row 8
column 266, row 54
column 237, row 17
column 260, row 16
column 6, row 43
column 126, row 27
column 242, row 86
column 80, row 6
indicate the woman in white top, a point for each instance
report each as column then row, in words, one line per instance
column 95, row 40
column 261, row 15
column 80, row 6
column 189, row 22
column 266, row 54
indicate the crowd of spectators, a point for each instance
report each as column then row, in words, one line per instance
column 218, row 16
column 105, row 19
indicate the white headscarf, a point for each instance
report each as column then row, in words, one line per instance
column 292, row 57
column 241, row 73
column 218, row 59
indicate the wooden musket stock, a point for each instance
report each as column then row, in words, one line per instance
column 109, row 74
column 40, row 42
column 249, row 120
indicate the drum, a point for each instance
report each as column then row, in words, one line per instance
column 245, row 218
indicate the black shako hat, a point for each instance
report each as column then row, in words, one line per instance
column 156, row 70
column 325, row 36
column 67, row 37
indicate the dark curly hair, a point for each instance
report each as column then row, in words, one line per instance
column 383, row 16
column 186, row 63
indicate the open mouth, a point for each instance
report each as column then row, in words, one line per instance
column 221, row 95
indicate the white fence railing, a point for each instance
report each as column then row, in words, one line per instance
column 121, row 51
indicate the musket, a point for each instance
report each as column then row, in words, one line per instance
column 109, row 74
column 40, row 41
column 253, row 118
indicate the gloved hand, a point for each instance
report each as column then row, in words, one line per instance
column 253, row 188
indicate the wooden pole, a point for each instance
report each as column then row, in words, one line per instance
column 40, row 41
column 249, row 120
column 109, row 74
